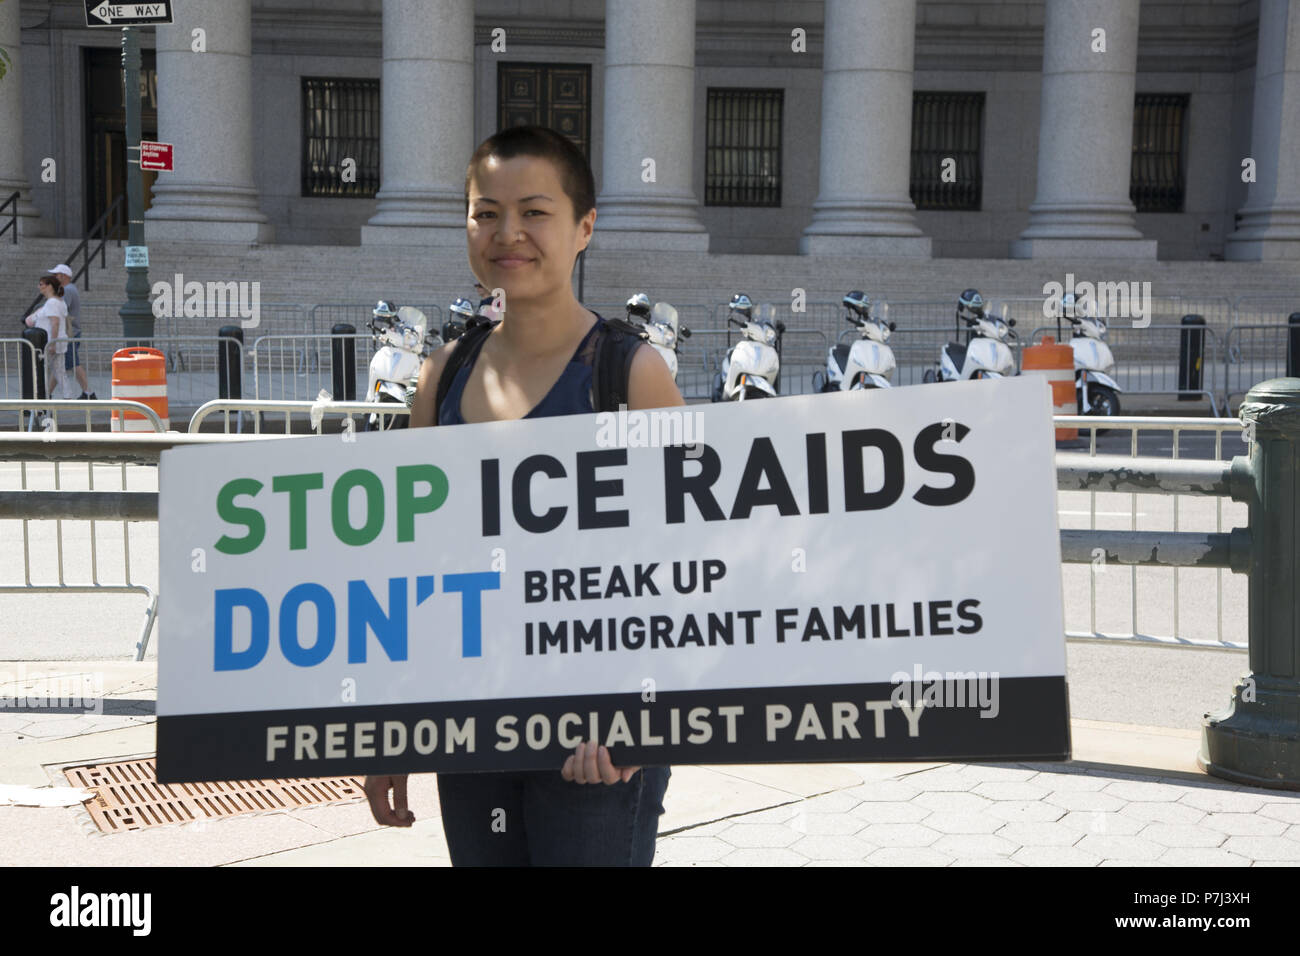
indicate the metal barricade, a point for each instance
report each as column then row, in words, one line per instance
column 192, row 365
column 1251, row 354
column 1157, row 511
column 1147, row 359
column 14, row 354
column 316, row 414
column 51, row 416
column 299, row 367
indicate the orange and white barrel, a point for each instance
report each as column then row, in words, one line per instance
column 140, row 375
column 1056, row 362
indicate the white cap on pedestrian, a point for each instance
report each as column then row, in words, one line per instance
column 61, row 267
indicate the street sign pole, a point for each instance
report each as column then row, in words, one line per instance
column 136, row 313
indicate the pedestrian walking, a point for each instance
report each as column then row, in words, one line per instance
column 530, row 205
column 72, row 358
column 52, row 318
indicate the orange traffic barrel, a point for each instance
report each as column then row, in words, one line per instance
column 139, row 375
column 1056, row 362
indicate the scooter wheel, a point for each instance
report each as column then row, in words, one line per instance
column 929, row 377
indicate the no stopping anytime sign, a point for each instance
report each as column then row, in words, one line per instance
column 867, row 576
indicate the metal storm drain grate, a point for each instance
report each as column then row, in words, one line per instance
column 128, row 795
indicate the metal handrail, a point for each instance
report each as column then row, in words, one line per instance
column 74, row 405
column 13, row 215
column 101, row 225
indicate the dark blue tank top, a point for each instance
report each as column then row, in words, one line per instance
column 570, row 395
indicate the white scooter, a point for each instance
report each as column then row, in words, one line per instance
column 1094, row 364
column 660, row 327
column 752, row 367
column 868, row 362
column 403, row 343
column 985, row 354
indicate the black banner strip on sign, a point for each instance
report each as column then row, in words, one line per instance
column 1027, row 719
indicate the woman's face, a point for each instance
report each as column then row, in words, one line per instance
column 46, row 289
column 520, row 231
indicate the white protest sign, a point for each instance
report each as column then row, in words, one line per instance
column 862, row 576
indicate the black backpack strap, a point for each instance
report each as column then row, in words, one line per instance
column 611, row 371
column 467, row 348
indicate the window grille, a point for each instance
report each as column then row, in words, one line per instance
column 947, row 126
column 1158, row 181
column 743, row 148
column 340, row 121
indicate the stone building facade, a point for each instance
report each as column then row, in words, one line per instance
column 1110, row 128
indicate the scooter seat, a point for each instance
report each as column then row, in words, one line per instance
column 956, row 354
column 841, row 355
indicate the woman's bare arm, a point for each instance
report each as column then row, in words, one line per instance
column 650, row 384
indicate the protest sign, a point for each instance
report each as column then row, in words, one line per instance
column 859, row 576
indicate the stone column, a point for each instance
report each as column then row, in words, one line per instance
column 649, row 114
column 427, row 98
column 1085, row 136
column 205, row 108
column 863, row 205
column 1270, row 220
column 13, row 174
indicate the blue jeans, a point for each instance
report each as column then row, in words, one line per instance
column 72, row 357
column 537, row 818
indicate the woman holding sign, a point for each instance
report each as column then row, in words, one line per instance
column 530, row 205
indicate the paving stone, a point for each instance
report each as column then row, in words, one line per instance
column 959, row 821
column 707, row 829
column 908, row 856
column 822, row 847
column 764, row 856
column 825, row 823
column 1035, row 811
column 1054, row 766
column 1102, row 822
column 890, row 790
column 941, row 778
column 13, row 721
column 1243, row 824
column 1264, row 847
column 1173, row 834
column 996, row 771
column 954, row 801
column 1286, row 812
column 836, row 863
column 1145, row 790
column 1064, row 782
column 898, row 835
column 779, row 814
column 838, row 802
column 1293, row 831
column 1145, row 812
column 982, row 845
column 1223, row 801
column 1202, row 856
column 1120, row 847
column 1131, row 863
column 758, row 835
column 1054, row 856
column 988, row 861
column 51, row 728
column 693, row 863
column 691, row 849
column 1084, row 800
column 1039, row 834
column 1011, row 790
column 879, row 812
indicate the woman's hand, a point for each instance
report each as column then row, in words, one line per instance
column 390, row 815
column 590, row 763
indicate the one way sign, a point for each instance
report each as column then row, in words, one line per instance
column 102, row 13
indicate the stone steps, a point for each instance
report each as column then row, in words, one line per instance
column 360, row 275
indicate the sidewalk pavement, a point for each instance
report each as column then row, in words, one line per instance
column 1132, row 796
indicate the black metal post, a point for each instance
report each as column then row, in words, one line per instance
column 136, row 312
